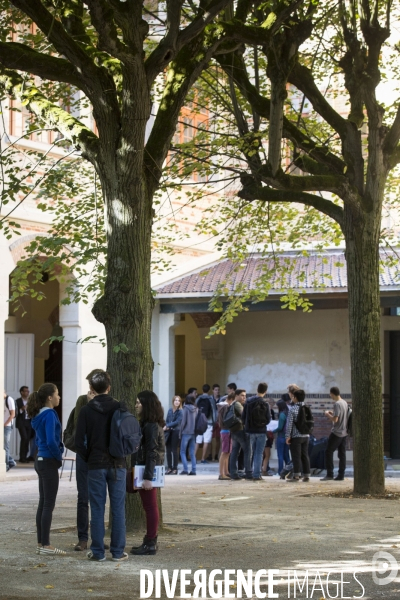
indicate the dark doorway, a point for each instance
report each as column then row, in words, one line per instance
column 180, row 367
column 53, row 370
column 394, row 394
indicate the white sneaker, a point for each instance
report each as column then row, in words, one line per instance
column 123, row 557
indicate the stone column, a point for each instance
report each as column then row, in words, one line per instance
column 6, row 268
column 163, row 350
column 69, row 321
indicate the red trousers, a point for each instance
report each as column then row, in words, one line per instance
column 149, row 501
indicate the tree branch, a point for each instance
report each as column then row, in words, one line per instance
column 392, row 137
column 14, row 55
column 234, row 64
column 102, row 18
column 182, row 74
column 306, row 183
column 251, row 191
column 165, row 53
column 302, row 78
column 94, row 80
column 57, row 118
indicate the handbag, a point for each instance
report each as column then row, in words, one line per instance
column 167, row 433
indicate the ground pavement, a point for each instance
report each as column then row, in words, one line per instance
column 211, row 524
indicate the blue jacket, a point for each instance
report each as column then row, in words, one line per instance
column 48, row 434
column 174, row 419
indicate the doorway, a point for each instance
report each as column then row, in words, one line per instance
column 394, row 394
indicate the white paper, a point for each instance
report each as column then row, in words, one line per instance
column 272, row 425
column 158, row 477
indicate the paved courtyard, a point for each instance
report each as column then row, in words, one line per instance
column 212, row 525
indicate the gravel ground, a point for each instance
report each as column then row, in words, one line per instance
column 211, row 525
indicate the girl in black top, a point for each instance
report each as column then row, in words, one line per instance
column 151, row 453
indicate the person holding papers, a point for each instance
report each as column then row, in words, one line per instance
column 151, row 454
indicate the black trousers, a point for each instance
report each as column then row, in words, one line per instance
column 300, row 459
column 47, row 470
column 335, row 443
column 25, row 431
column 82, row 507
column 172, row 449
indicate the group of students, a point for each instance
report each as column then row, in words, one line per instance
column 96, row 469
column 243, row 428
column 238, row 421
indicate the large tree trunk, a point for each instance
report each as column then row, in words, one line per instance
column 125, row 309
column 362, row 255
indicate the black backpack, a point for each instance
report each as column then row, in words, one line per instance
column 125, row 434
column 305, row 420
column 69, row 432
column 201, row 423
column 231, row 419
column 204, row 405
column 258, row 415
column 349, row 422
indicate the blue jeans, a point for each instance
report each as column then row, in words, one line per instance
column 82, row 516
column 10, row 462
column 240, row 439
column 115, row 480
column 257, row 444
column 283, row 452
column 188, row 440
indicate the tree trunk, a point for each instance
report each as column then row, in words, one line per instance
column 362, row 255
column 125, row 309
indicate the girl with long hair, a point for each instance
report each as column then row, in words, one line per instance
column 171, row 429
column 151, row 454
column 47, row 427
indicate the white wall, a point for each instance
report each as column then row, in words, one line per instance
column 282, row 347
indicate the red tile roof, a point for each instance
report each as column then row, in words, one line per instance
column 315, row 273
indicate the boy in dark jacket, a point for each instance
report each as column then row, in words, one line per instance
column 256, row 416
column 92, row 440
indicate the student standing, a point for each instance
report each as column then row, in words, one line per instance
column 281, row 445
column 82, row 485
column 187, row 435
column 9, row 414
column 23, row 424
column 298, row 442
column 105, row 472
column 47, row 427
column 256, row 416
column 337, row 439
column 151, row 454
column 172, row 427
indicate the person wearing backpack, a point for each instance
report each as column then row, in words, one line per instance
column 187, row 434
column 338, row 436
column 105, row 472
column 298, row 440
column 226, row 443
column 256, row 416
column 81, row 470
column 206, row 404
column 240, row 439
column 281, row 445
column 151, row 454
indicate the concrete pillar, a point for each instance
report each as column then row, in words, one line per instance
column 69, row 321
column 6, row 268
column 163, row 351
